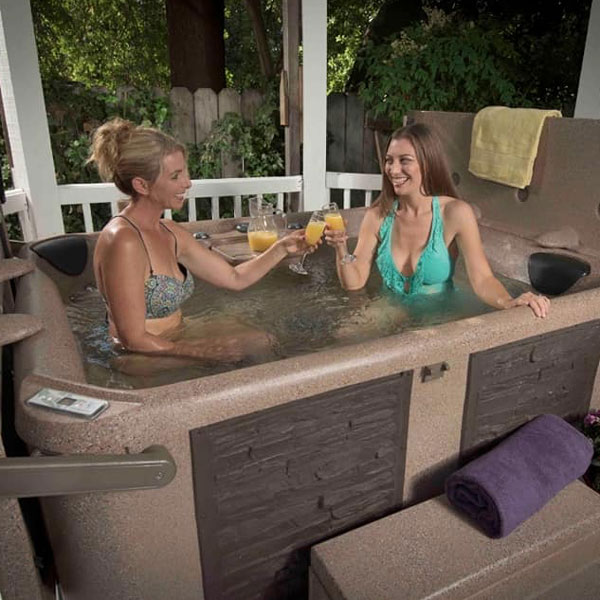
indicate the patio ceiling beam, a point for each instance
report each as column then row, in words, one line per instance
column 25, row 113
column 314, row 92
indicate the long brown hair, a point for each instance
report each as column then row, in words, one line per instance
column 432, row 162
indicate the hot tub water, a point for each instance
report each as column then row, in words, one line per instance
column 302, row 314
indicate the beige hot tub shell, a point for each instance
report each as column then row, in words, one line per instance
column 145, row 544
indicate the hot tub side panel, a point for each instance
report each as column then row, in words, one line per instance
column 271, row 484
column 510, row 384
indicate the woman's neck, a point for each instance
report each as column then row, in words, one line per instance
column 144, row 212
column 415, row 204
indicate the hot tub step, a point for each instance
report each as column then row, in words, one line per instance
column 11, row 268
column 430, row 550
column 14, row 328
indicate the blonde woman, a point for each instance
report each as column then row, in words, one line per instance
column 145, row 266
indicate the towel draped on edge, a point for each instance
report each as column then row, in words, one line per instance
column 504, row 143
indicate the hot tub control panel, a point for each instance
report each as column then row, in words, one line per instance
column 68, row 402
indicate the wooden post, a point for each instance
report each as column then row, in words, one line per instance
column 291, row 42
column 26, row 119
column 587, row 105
column 314, row 103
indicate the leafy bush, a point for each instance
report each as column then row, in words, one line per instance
column 591, row 428
column 444, row 64
column 74, row 111
column 258, row 145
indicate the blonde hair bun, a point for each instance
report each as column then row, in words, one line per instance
column 123, row 151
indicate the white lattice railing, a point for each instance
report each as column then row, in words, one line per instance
column 204, row 190
column 365, row 182
column 207, row 190
column 16, row 203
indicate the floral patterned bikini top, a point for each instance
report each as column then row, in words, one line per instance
column 435, row 267
column 164, row 294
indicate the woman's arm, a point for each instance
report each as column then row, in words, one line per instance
column 353, row 275
column 461, row 219
column 214, row 269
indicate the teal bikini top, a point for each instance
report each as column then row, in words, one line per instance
column 435, row 267
column 164, row 294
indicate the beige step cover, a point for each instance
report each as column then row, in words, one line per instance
column 432, row 551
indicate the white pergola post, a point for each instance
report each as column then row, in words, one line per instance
column 314, row 93
column 25, row 114
column 587, row 105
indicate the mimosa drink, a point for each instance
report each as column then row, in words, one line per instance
column 259, row 241
column 314, row 231
column 335, row 221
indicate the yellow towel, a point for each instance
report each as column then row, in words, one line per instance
column 504, row 143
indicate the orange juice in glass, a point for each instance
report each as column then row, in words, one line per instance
column 262, row 232
column 312, row 234
column 259, row 241
column 333, row 218
column 314, row 231
column 335, row 222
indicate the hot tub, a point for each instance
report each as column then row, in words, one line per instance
column 276, row 457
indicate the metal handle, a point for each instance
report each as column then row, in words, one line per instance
column 24, row 477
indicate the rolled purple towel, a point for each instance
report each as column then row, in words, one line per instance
column 504, row 487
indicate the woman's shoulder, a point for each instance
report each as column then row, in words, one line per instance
column 120, row 237
column 454, row 207
column 176, row 229
column 373, row 218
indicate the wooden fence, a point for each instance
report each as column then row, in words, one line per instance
column 193, row 116
column 353, row 146
column 351, row 142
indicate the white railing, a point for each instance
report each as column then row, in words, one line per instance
column 16, row 203
column 209, row 190
column 365, row 182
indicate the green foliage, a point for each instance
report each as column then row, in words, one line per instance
column 258, row 145
column 347, row 21
column 444, row 64
column 242, row 66
column 102, row 42
column 591, row 429
column 74, row 111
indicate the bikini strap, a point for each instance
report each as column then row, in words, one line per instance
column 141, row 238
column 174, row 237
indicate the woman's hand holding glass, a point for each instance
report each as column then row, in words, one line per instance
column 295, row 244
column 312, row 237
column 335, row 234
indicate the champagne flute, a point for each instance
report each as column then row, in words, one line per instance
column 335, row 222
column 313, row 232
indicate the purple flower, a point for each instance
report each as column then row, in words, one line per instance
column 591, row 418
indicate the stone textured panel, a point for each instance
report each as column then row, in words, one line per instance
column 271, row 484
column 508, row 385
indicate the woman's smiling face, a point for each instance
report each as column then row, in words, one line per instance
column 170, row 188
column 402, row 168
